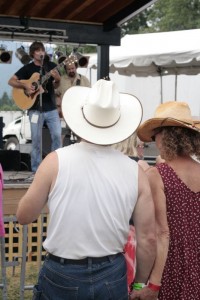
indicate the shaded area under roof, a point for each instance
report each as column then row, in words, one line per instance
column 91, row 22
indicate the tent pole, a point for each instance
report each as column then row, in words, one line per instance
column 160, row 72
column 176, row 78
column 161, row 89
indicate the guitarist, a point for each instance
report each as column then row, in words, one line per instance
column 47, row 112
column 69, row 79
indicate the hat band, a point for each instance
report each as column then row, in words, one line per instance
column 98, row 126
column 186, row 122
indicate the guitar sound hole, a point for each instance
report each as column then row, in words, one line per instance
column 35, row 85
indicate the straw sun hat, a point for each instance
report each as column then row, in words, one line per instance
column 170, row 113
column 101, row 115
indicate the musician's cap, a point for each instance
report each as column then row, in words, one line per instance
column 101, row 115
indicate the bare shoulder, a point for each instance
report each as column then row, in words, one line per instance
column 145, row 166
column 152, row 171
column 52, row 156
column 49, row 165
column 155, row 180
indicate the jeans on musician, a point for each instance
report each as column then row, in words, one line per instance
column 99, row 281
column 37, row 119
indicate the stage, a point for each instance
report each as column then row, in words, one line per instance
column 16, row 184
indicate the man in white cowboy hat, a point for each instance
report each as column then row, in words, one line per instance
column 92, row 190
column 175, row 186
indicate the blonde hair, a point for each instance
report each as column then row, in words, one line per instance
column 128, row 146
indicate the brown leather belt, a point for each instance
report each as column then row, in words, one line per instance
column 84, row 261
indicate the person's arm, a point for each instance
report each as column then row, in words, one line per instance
column 25, row 85
column 162, row 229
column 144, row 222
column 158, row 193
column 15, row 82
column 32, row 203
column 85, row 81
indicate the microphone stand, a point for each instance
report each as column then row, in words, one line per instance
column 40, row 110
column 41, row 150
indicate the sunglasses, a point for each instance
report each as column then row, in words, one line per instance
column 156, row 131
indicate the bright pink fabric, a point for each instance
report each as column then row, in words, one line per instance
column 129, row 253
column 2, row 229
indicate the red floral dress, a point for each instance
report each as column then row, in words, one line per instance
column 181, row 277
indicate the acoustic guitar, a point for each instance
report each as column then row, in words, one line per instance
column 25, row 101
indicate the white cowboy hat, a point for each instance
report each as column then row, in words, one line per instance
column 171, row 113
column 101, row 115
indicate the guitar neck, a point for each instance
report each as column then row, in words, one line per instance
column 48, row 75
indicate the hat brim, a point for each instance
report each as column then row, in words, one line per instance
column 130, row 117
column 146, row 130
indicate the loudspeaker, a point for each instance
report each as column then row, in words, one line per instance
column 10, row 160
column 46, row 141
column 1, row 132
column 25, row 162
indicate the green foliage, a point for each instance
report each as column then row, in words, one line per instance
column 165, row 15
column 66, row 50
column 7, row 104
column 137, row 24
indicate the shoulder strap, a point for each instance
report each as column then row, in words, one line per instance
column 78, row 81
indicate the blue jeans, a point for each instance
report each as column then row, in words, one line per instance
column 36, row 121
column 102, row 281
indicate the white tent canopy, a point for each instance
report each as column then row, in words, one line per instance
column 153, row 54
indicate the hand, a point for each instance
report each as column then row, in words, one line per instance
column 55, row 75
column 143, row 294
column 30, row 89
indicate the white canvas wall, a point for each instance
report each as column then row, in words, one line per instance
column 148, row 89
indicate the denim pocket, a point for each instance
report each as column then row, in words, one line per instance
column 56, row 291
column 118, row 289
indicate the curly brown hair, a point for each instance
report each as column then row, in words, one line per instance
column 179, row 141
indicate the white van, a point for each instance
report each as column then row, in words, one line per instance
column 17, row 132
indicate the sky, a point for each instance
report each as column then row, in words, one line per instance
column 7, row 70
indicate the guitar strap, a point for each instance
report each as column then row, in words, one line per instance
column 78, row 81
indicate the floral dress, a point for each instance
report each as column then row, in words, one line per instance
column 181, row 277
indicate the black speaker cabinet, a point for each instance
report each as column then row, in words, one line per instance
column 46, row 141
column 25, row 162
column 10, row 160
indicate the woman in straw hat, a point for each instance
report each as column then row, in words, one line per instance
column 175, row 186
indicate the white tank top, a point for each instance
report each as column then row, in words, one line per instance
column 92, row 201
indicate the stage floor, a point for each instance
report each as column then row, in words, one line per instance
column 18, row 177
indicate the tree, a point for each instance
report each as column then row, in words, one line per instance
column 166, row 15
column 137, row 24
column 171, row 15
column 5, row 100
column 6, row 103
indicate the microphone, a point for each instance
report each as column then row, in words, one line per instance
column 41, row 57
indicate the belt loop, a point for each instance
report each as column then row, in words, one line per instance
column 110, row 258
column 62, row 261
column 89, row 259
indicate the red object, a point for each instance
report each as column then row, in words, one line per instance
column 153, row 287
column 129, row 253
